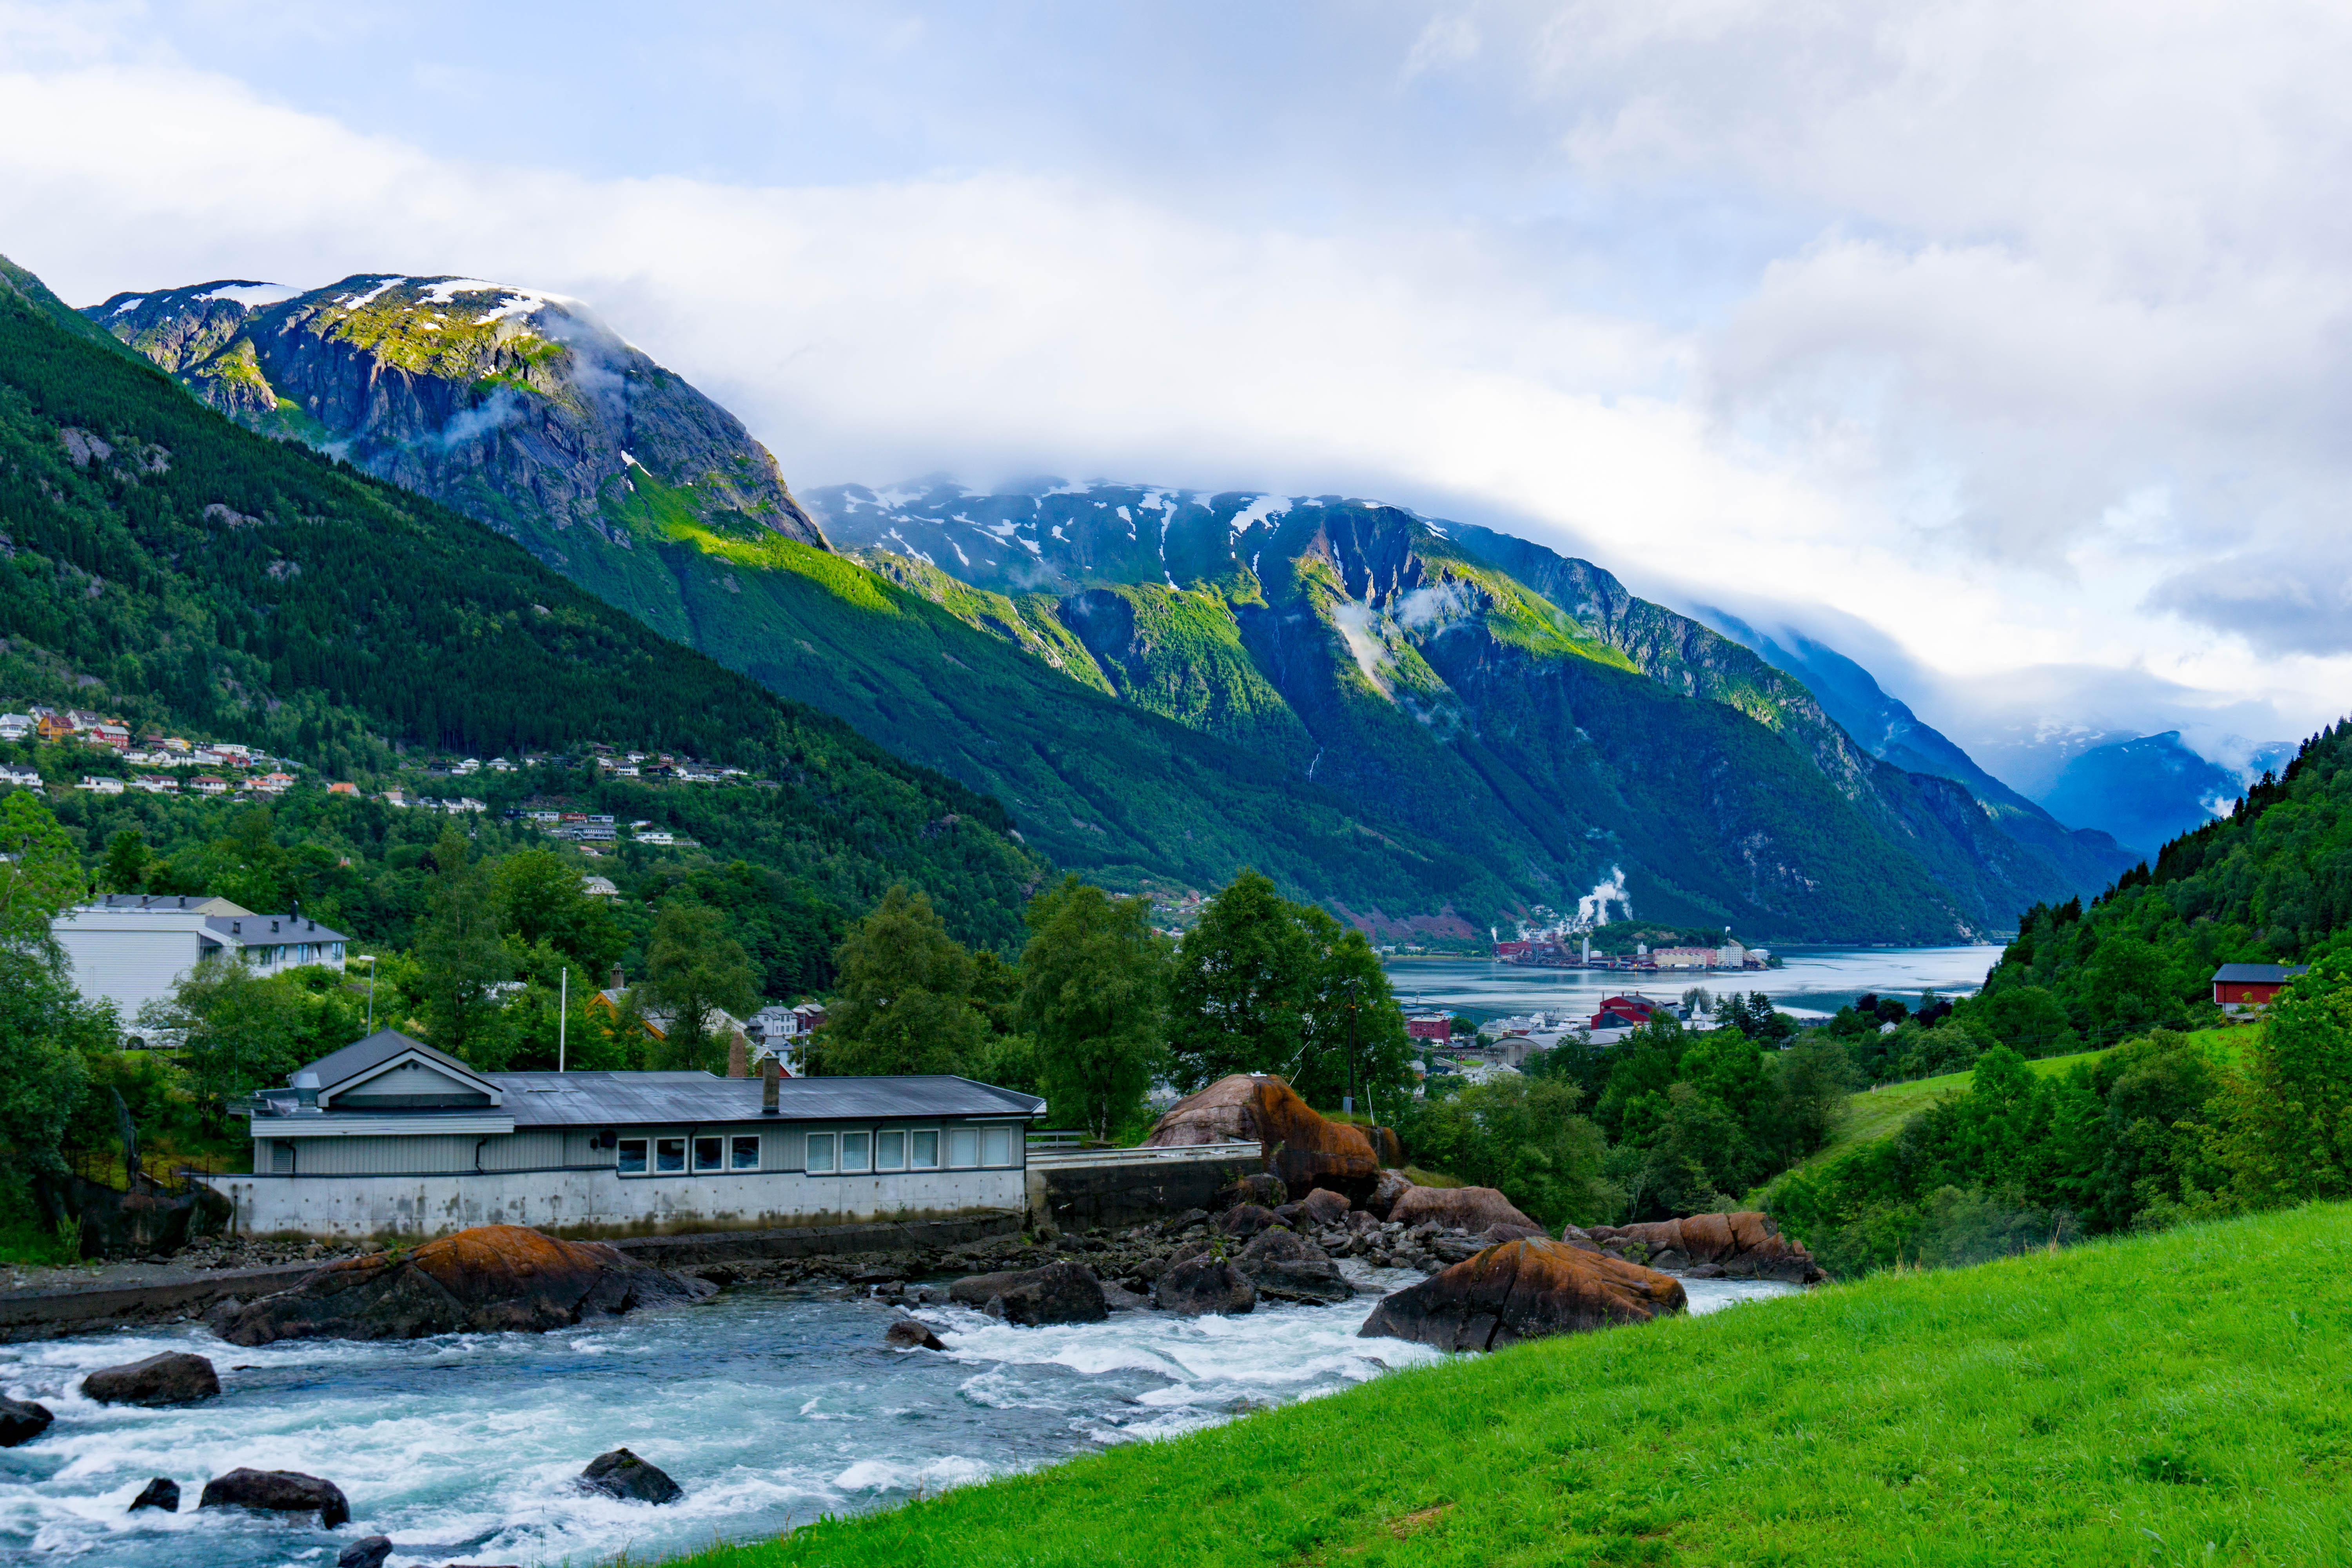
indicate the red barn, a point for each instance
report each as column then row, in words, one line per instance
column 2240, row 986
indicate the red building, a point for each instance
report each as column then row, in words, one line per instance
column 1434, row 1027
column 1624, row 1013
column 2239, row 986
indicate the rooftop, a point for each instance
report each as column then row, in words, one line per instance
column 2258, row 973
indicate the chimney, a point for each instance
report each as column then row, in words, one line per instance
column 306, row 1091
column 738, row 1057
column 616, row 977
column 771, row 1071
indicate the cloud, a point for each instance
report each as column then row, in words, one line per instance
column 2015, row 333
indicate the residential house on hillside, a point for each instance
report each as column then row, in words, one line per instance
column 389, row 1136
column 2251, row 987
column 131, row 948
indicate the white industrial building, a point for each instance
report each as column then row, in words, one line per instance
column 389, row 1137
column 131, row 948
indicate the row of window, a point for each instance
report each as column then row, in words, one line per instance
column 828, row 1154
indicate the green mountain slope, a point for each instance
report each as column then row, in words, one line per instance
column 156, row 558
column 1159, row 688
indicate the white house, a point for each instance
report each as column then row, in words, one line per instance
column 389, row 1137
column 131, row 948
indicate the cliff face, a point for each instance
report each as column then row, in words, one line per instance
column 518, row 408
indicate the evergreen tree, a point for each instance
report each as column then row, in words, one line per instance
column 905, row 995
column 1092, row 981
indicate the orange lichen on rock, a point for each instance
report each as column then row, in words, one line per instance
column 1522, row 1290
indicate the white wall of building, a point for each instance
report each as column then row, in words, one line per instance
column 600, row 1204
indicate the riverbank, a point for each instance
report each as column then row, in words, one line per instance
column 2121, row 1401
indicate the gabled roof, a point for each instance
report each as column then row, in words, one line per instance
column 641, row 1098
column 340, row 1072
column 2258, row 973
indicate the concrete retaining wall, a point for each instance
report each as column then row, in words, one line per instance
column 597, row 1204
column 1077, row 1197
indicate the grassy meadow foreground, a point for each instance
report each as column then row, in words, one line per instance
column 2170, row 1398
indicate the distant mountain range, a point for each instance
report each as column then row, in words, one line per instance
column 1427, row 725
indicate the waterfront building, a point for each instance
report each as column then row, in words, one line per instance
column 391, row 1137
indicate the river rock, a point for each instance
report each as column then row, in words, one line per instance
column 367, row 1552
column 1503, row 1230
column 278, row 1491
column 1199, row 1286
column 1390, row 1186
column 1470, row 1209
column 1297, row 1143
column 21, row 1421
column 1058, row 1293
column 174, row 1377
column 1746, row 1246
column 1245, row 1219
column 1523, row 1291
column 1289, row 1268
column 1325, row 1206
column 162, row 1492
column 1258, row 1187
column 1118, row 1299
column 488, row 1279
column 621, row 1474
column 907, row 1334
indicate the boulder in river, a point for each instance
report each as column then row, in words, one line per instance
column 1325, row 1206
column 1258, row 1187
column 1457, row 1208
column 1245, row 1219
column 908, row 1333
column 488, row 1279
column 1287, row 1266
column 1390, row 1186
column 1058, row 1293
column 1523, row 1291
column 1297, row 1142
column 621, row 1474
column 174, row 1377
column 367, row 1552
column 21, row 1421
column 278, row 1491
column 162, row 1492
column 1746, row 1246
column 1198, row 1287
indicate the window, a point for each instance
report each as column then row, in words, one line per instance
column 669, row 1153
column 281, row 1157
column 996, row 1146
column 855, row 1150
column 963, row 1146
column 633, row 1157
column 923, row 1154
column 746, row 1152
column 889, row 1150
column 710, row 1154
column 819, row 1151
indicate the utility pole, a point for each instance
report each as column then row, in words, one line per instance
column 563, row 1013
column 1349, row 1104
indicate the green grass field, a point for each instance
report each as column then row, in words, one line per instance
column 1875, row 1113
column 2173, row 1398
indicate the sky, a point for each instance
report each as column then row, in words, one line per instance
column 2001, row 346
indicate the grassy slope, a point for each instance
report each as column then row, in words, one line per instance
column 2089, row 1406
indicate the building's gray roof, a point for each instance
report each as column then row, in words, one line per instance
column 372, row 1052
column 626, row 1099
column 2258, row 973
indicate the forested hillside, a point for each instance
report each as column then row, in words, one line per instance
column 156, row 560
column 2270, row 883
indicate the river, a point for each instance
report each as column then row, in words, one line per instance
column 769, row 1405
column 1812, row 982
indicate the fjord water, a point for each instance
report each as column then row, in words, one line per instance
column 770, row 1406
column 1811, row 981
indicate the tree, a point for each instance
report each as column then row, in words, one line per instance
column 45, row 1030
column 1522, row 1137
column 1239, row 991
column 540, row 899
column 1355, row 1042
column 905, row 998
column 126, row 862
column 694, row 970
column 2290, row 1134
column 237, row 1031
column 463, row 959
column 40, row 875
column 1093, row 977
